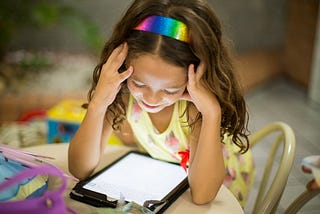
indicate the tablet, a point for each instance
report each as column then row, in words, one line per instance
column 135, row 177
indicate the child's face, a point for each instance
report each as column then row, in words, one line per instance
column 156, row 84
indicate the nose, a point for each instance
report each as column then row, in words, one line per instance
column 152, row 98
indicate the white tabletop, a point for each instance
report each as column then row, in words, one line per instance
column 224, row 202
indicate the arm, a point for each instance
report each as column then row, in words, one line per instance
column 88, row 144
column 206, row 167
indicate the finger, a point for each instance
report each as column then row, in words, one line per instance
column 200, row 70
column 117, row 57
column 191, row 75
column 122, row 55
column 115, row 53
column 107, row 65
column 126, row 74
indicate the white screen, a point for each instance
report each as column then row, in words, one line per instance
column 138, row 178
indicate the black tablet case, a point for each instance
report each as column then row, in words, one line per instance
column 100, row 200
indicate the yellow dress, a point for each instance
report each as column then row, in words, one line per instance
column 239, row 170
column 169, row 145
column 166, row 145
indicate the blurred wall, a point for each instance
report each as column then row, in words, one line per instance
column 253, row 24
column 250, row 24
column 314, row 91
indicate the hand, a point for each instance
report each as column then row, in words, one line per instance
column 197, row 93
column 110, row 79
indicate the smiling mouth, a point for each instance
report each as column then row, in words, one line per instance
column 149, row 106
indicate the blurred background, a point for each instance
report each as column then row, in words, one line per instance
column 40, row 40
column 48, row 50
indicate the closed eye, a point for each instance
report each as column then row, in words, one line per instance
column 171, row 91
column 138, row 84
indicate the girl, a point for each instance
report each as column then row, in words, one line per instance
column 165, row 83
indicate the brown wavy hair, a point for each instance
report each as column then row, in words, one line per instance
column 206, row 44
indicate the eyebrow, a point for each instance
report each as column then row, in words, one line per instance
column 172, row 87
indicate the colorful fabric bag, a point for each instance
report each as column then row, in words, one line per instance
column 50, row 202
column 24, row 179
column 13, row 161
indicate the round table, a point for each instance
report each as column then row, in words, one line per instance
column 224, row 202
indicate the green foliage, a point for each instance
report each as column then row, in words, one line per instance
column 45, row 14
column 34, row 62
column 37, row 14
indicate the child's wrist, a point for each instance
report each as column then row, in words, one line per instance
column 212, row 113
column 97, row 107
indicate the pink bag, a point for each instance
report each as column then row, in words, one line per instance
column 51, row 202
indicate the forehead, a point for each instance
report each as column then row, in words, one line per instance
column 151, row 69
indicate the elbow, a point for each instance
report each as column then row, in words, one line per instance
column 79, row 174
column 78, row 171
column 203, row 194
column 74, row 171
column 203, row 198
column 80, row 168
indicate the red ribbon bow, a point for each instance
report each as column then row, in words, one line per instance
column 184, row 158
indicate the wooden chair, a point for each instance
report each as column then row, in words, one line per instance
column 270, row 192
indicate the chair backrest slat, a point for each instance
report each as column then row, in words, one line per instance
column 269, row 196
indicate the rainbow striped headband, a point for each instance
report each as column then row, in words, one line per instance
column 165, row 26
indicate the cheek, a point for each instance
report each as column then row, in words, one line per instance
column 172, row 98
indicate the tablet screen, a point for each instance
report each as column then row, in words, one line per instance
column 137, row 178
